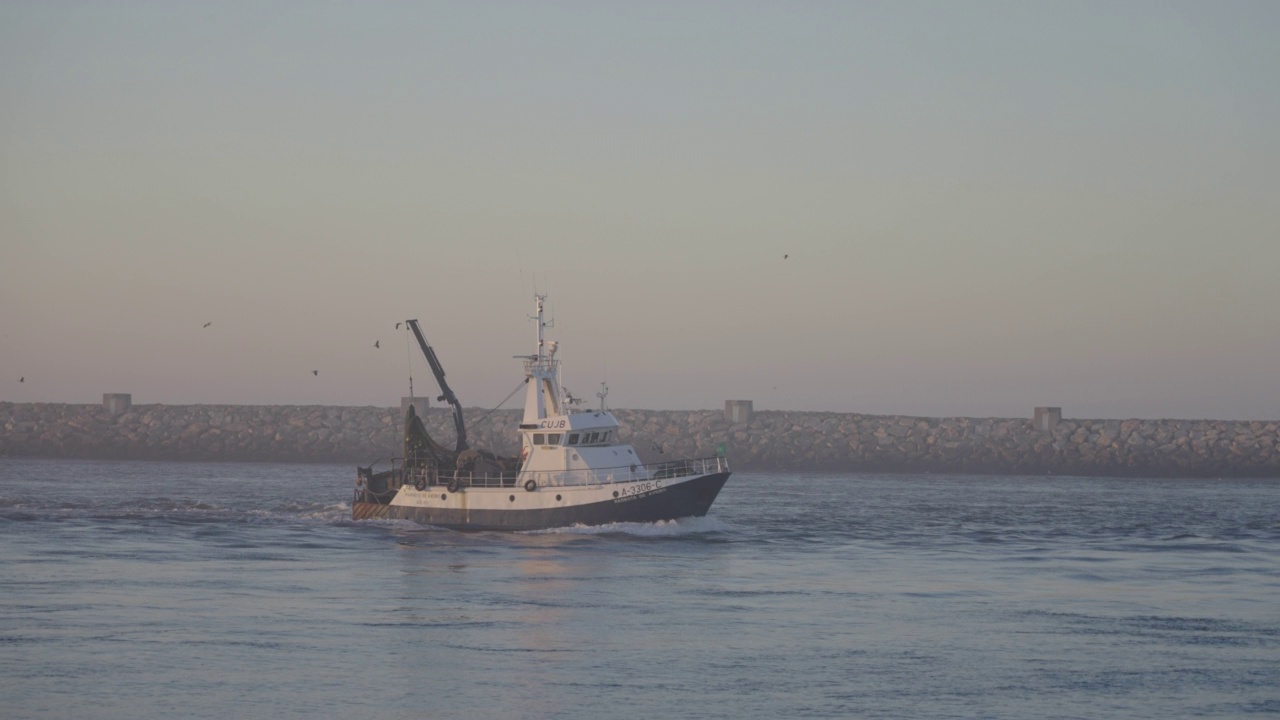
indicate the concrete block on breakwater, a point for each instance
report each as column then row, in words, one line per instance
column 765, row 440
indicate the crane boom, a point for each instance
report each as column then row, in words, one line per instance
column 446, row 392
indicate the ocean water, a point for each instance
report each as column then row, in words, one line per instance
column 133, row 590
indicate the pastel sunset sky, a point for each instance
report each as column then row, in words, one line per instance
column 927, row 208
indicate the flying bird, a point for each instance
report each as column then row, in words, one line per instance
column 315, row 372
column 22, row 379
column 208, row 323
column 784, row 257
column 377, row 343
column 398, row 325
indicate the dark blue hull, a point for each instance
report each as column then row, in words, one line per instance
column 686, row 499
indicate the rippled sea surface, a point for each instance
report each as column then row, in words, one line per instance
column 132, row 590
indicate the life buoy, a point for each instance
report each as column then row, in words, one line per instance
column 420, row 483
column 524, row 453
column 455, row 485
column 530, row 485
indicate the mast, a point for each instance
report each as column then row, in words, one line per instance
column 542, row 399
column 446, row 392
column 542, row 326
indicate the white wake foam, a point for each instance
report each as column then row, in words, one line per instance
column 662, row 528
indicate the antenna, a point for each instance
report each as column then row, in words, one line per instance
column 604, row 392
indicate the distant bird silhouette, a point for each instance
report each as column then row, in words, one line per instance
column 208, row 323
column 377, row 343
column 315, row 372
column 784, row 257
column 398, row 325
column 22, row 379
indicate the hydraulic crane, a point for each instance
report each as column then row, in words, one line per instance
column 446, row 393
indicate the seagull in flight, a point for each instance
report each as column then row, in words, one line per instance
column 315, row 372
column 22, row 379
column 784, row 257
column 398, row 325
column 208, row 323
column 377, row 343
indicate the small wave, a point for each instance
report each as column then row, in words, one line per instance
column 298, row 508
column 1204, row 546
column 329, row 512
column 491, row 649
column 335, row 516
column 734, row 593
column 388, row 523
column 143, row 508
column 431, row 622
column 166, row 505
column 662, row 528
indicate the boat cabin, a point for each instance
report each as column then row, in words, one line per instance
column 558, row 444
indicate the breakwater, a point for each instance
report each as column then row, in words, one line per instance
column 766, row 440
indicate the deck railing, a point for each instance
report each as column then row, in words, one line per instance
column 567, row 478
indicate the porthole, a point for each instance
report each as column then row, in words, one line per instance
column 557, row 498
column 513, row 498
column 443, row 496
column 615, row 493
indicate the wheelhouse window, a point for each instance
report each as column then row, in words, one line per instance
column 539, row 439
column 553, row 439
column 592, row 438
column 573, row 439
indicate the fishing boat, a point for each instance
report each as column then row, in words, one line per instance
column 572, row 469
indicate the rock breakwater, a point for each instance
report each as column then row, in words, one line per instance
column 770, row 440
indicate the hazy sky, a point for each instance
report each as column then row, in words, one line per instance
column 986, row 206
